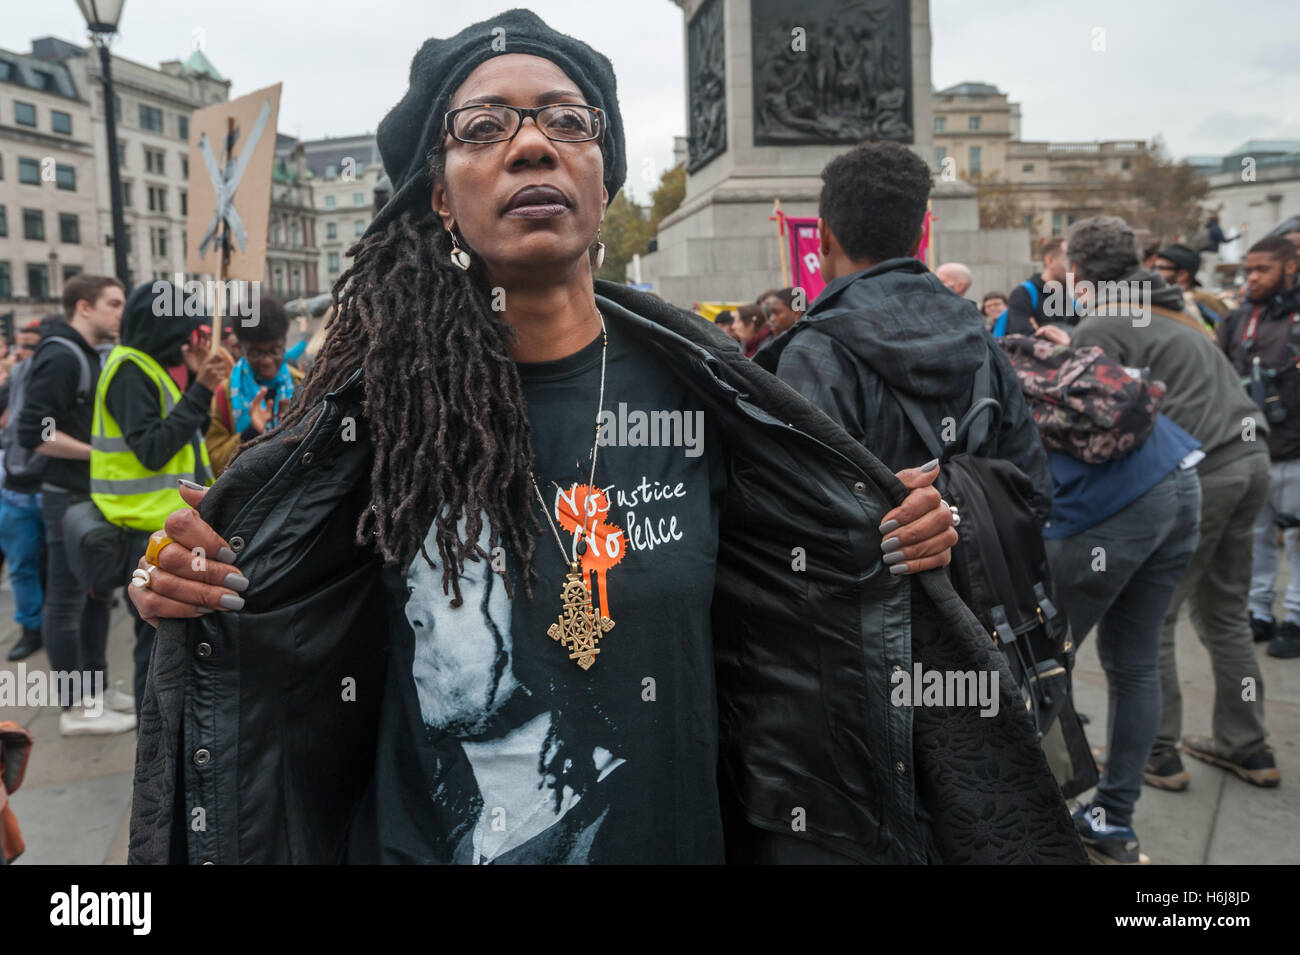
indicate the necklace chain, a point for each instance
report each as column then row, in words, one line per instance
column 595, row 443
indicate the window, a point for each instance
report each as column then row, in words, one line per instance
column 61, row 122
column 975, row 159
column 1027, row 167
column 185, row 204
column 1056, row 223
column 38, row 281
column 294, row 233
column 334, row 261
column 940, row 123
column 45, row 81
column 157, row 198
column 4, row 223
column 973, row 124
column 297, row 281
column 1126, row 164
column 150, row 118
column 2, row 166
column 940, row 154
column 66, row 177
column 117, row 107
column 6, row 290
column 185, row 166
column 121, row 155
column 126, row 194
column 331, row 230
column 358, row 199
column 331, row 172
column 24, row 114
column 329, row 202
column 71, row 271
column 148, row 160
column 183, row 128
column 359, row 228
column 1029, row 220
column 34, row 224
column 69, row 228
column 158, row 243
column 29, row 171
column 126, row 241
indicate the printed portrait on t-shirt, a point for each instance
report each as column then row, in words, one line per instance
column 513, row 786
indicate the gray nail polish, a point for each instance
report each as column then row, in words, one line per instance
column 898, row 570
column 189, row 484
column 929, row 466
column 226, row 555
column 891, row 545
column 236, row 582
column 232, row 602
column 890, row 525
column 894, row 558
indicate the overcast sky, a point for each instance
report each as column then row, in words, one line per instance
column 1204, row 74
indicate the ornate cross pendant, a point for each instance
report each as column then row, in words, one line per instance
column 578, row 628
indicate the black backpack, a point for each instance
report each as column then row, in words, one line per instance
column 19, row 462
column 999, row 566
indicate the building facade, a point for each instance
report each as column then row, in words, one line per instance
column 292, row 256
column 344, row 171
column 977, row 139
column 49, row 229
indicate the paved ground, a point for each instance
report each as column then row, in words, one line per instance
column 75, row 802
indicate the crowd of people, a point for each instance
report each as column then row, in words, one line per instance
column 360, row 644
column 113, row 402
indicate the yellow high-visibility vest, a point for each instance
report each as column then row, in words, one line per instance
column 125, row 490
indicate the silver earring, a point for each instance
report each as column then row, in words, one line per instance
column 458, row 255
column 600, row 254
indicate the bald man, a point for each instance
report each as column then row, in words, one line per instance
column 956, row 276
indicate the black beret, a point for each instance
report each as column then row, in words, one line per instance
column 415, row 125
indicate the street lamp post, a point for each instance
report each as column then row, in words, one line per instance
column 102, row 17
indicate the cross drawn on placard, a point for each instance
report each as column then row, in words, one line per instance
column 225, row 178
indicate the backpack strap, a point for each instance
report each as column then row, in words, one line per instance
column 919, row 422
column 1029, row 286
column 973, row 426
column 1000, row 326
column 83, row 378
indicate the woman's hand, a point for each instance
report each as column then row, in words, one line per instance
column 918, row 534
column 194, row 575
column 258, row 413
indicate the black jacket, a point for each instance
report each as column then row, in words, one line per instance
column 897, row 326
column 52, row 393
column 1277, row 345
column 243, row 716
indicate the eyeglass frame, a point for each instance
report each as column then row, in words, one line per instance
column 263, row 353
column 523, row 113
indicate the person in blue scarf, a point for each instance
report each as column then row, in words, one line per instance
column 261, row 384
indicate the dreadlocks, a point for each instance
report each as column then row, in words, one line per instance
column 443, row 399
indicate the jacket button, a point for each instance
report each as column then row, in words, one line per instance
column 898, row 667
column 236, row 544
column 204, row 650
column 900, row 767
column 308, row 457
column 207, row 862
column 859, row 487
column 202, row 757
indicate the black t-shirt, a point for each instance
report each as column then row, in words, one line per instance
column 496, row 746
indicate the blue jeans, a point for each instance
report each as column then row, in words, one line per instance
column 22, row 538
column 1120, row 576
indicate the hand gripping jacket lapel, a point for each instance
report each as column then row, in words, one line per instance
column 249, row 752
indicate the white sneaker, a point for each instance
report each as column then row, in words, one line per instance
column 77, row 721
column 116, row 699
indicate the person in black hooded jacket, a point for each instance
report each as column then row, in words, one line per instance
column 679, row 650
column 884, row 321
column 133, row 400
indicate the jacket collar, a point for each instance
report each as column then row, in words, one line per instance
column 826, row 300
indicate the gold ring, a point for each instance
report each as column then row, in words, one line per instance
column 156, row 545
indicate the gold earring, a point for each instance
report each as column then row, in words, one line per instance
column 458, row 255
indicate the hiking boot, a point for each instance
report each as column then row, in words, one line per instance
column 1258, row 769
column 1107, row 844
column 29, row 643
column 1262, row 628
column 78, row 721
column 1166, row 772
column 1286, row 645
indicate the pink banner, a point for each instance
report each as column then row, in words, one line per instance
column 805, row 264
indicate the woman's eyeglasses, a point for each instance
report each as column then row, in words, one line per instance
column 257, row 354
column 561, row 122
